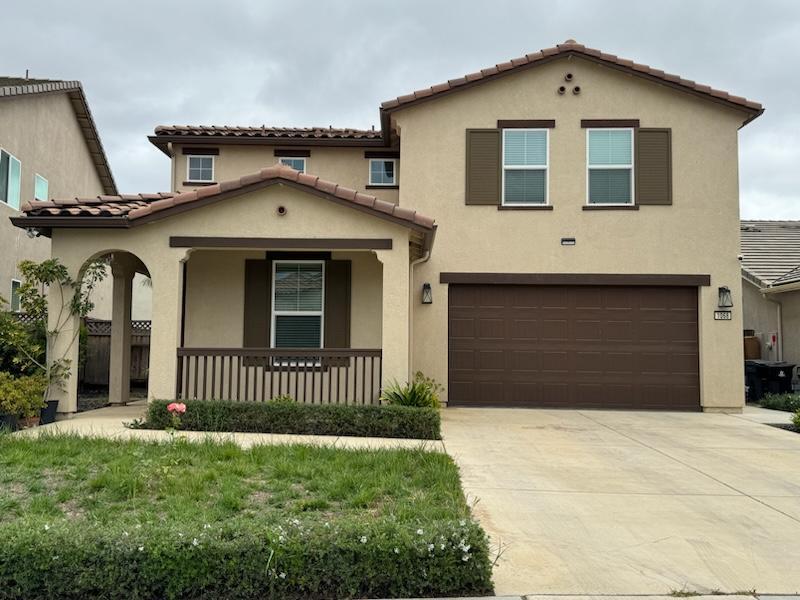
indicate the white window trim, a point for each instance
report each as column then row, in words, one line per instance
column 213, row 168
column 11, row 297
column 20, row 179
column 294, row 313
column 303, row 158
column 545, row 168
column 383, row 160
column 36, row 176
column 609, row 167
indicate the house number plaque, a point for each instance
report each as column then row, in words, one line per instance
column 722, row 315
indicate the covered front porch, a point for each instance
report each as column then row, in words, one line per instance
column 252, row 296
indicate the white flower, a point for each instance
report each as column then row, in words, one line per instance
column 125, row 533
column 206, row 526
column 46, row 527
column 441, row 546
column 195, row 542
column 327, row 524
column 363, row 539
column 465, row 558
column 280, row 538
column 431, row 547
column 420, row 532
column 396, row 551
column 462, row 522
column 141, row 548
column 282, row 575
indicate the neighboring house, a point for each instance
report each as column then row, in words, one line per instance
column 586, row 224
column 771, row 286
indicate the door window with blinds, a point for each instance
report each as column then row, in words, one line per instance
column 610, row 166
column 297, row 303
column 525, row 163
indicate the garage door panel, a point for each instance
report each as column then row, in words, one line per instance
column 574, row 346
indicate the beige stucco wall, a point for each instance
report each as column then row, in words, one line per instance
column 760, row 314
column 790, row 302
column 699, row 233
column 345, row 166
column 141, row 298
column 43, row 133
column 251, row 215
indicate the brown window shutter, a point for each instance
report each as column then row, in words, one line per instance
column 257, row 303
column 337, row 309
column 483, row 166
column 654, row 166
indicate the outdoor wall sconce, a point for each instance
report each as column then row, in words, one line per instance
column 427, row 294
column 725, row 299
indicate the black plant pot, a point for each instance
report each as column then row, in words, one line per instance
column 9, row 422
column 48, row 414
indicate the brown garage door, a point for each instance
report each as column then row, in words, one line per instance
column 573, row 346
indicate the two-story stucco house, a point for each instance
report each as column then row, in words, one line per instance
column 552, row 231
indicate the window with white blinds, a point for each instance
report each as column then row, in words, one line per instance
column 525, row 163
column 610, row 166
column 297, row 304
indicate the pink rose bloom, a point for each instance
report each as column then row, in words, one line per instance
column 177, row 407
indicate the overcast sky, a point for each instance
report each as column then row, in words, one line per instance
column 304, row 63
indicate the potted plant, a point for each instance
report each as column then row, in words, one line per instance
column 23, row 397
column 8, row 403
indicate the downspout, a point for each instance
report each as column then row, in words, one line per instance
column 414, row 263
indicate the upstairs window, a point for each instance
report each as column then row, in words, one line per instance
column 382, row 171
column 297, row 304
column 15, row 301
column 10, row 179
column 40, row 188
column 199, row 168
column 610, row 166
column 298, row 164
column 525, row 166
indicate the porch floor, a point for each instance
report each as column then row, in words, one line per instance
column 109, row 423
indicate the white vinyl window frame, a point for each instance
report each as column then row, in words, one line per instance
column 14, row 300
column 302, row 159
column 36, row 179
column 545, row 168
column 297, row 313
column 609, row 167
column 8, row 180
column 189, row 158
column 394, row 170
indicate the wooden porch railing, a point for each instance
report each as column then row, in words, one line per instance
column 312, row 376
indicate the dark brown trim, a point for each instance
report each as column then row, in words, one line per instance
column 279, row 255
column 194, row 151
column 289, row 153
column 382, row 187
column 587, row 123
column 265, row 243
column 610, row 207
column 575, row 279
column 161, row 141
column 71, row 222
column 535, row 207
column 381, row 154
column 199, row 183
column 526, row 124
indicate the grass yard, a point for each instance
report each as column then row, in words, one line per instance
column 90, row 517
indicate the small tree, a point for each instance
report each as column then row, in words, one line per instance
column 39, row 279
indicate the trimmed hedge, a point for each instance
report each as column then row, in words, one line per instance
column 788, row 402
column 373, row 559
column 290, row 417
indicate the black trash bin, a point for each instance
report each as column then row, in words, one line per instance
column 767, row 377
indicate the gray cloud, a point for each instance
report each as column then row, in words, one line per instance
column 325, row 63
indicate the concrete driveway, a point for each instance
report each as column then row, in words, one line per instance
column 601, row 502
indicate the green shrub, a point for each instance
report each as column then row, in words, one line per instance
column 796, row 419
column 293, row 417
column 22, row 396
column 294, row 560
column 421, row 392
column 788, row 402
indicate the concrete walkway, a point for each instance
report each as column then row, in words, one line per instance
column 601, row 502
column 109, row 423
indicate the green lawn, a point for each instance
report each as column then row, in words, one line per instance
column 321, row 519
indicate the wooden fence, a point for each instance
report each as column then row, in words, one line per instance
column 94, row 371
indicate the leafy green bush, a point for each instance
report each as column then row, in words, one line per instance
column 293, row 560
column 796, row 419
column 22, row 396
column 421, row 392
column 788, row 402
column 293, row 417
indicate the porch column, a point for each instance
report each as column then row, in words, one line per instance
column 165, row 323
column 119, row 371
column 65, row 346
column 396, row 315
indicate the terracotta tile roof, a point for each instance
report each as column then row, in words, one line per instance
column 770, row 251
column 12, row 87
column 305, row 133
column 570, row 47
column 130, row 208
